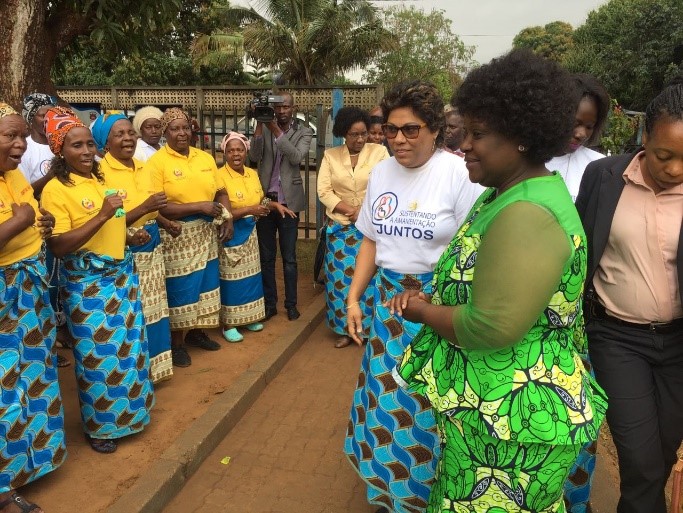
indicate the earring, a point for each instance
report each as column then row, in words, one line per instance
column 521, row 148
column 434, row 145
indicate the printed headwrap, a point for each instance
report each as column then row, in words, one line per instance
column 143, row 115
column 231, row 136
column 33, row 102
column 102, row 126
column 171, row 115
column 58, row 122
column 6, row 110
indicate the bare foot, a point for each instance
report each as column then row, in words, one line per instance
column 12, row 502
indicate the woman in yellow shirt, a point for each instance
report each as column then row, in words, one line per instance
column 115, row 137
column 239, row 264
column 198, row 201
column 31, row 417
column 100, row 287
column 342, row 182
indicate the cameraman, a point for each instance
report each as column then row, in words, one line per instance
column 278, row 147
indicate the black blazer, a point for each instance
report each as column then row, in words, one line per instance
column 599, row 193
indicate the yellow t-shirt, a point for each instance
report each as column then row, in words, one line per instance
column 184, row 179
column 134, row 186
column 243, row 190
column 15, row 189
column 74, row 205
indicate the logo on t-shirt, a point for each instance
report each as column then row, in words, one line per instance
column 45, row 166
column 408, row 223
column 87, row 203
column 384, row 206
column 239, row 195
column 122, row 193
column 178, row 173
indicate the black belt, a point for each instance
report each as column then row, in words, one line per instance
column 597, row 311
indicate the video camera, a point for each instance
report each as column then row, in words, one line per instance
column 262, row 106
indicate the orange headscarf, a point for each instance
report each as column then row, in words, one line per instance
column 58, row 122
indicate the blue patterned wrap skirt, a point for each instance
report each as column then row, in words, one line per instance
column 31, row 416
column 104, row 315
column 343, row 243
column 192, row 283
column 149, row 264
column 240, row 276
column 392, row 439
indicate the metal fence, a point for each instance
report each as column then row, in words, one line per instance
column 214, row 124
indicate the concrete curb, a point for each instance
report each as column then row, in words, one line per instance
column 159, row 484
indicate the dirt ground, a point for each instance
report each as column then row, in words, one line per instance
column 89, row 482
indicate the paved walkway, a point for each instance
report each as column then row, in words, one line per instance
column 286, row 452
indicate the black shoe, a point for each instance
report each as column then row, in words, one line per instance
column 292, row 313
column 180, row 358
column 271, row 311
column 197, row 338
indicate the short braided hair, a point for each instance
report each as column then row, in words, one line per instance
column 668, row 104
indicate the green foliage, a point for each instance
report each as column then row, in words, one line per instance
column 427, row 48
column 553, row 41
column 629, row 45
column 311, row 41
column 620, row 130
column 169, row 63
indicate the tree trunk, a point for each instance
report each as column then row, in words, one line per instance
column 32, row 44
column 25, row 56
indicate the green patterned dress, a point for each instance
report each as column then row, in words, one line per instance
column 513, row 407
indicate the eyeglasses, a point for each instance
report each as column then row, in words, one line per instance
column 409, row 131
column 356, row 135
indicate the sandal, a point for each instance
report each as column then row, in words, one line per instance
column 102, row 445
column 254, row 326
column 343, row 341
column 232, row 335
column 62, row 362
column 197, row 338
column 20, row 502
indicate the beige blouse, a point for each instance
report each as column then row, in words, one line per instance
column 339, row 181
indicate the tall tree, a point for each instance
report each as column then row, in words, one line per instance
column 634, row 46
column 553, row 41
column 36, row 31
column 427, row 49
column 311, row 41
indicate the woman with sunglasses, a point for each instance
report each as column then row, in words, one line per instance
column 342, row 182
column 414, row 204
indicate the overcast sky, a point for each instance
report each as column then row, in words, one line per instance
column 490, row 25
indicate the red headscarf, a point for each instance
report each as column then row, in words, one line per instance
column 58, row 122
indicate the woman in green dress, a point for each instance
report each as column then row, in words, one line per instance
column 498, row 357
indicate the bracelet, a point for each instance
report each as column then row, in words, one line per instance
column 265, row 201
column 353, row 303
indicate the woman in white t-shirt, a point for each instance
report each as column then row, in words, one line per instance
column 414, row 204
column 147, row 123
column 591, row 115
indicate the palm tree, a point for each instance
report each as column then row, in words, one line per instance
column 311, row 41
column 218, row 49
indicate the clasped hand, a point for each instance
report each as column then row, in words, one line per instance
column 408, row 304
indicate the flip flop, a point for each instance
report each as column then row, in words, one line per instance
column 102, row 445
column 20, row 502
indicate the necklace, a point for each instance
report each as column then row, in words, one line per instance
column 354, row 154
